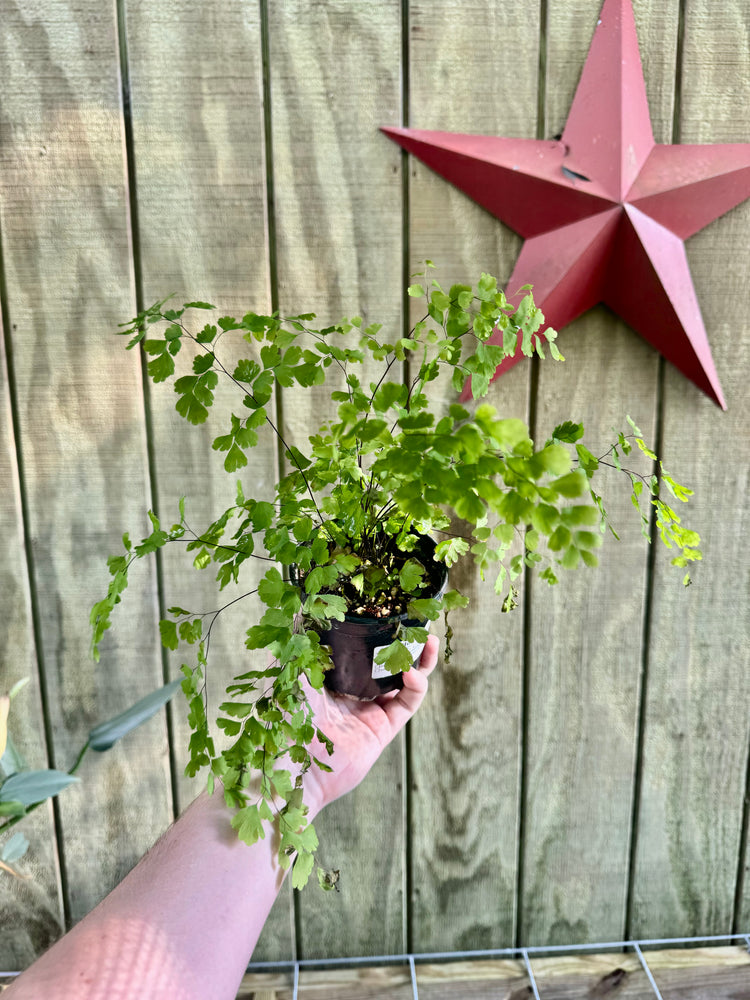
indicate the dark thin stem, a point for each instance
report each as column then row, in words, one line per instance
column 627, row 472
column 452, row 534
column 337, row 361
column 385, row 510
column 221, row 545
column 217, row 611
column 243, row 389
column 228, row 605
column 367, row 415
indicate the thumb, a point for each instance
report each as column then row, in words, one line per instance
column 401, row 708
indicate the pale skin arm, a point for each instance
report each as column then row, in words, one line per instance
column 183, row 924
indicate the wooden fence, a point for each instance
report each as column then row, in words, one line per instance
column 580, row 770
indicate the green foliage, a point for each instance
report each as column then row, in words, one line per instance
column 667, row 522
column 106, row 734
column 384, row 469
column 395, row 658
column 29, row 787
column 22, row 790
column 14, row 848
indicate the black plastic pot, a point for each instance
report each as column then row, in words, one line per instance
column 356, row 641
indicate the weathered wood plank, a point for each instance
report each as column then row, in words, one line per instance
column 334, row 80
column 694, row 974
column 699, row 683
column 701, row 973
column 473, row 980
column 566, row 977
column 586, row 633
column 688, row 974
column 30, row 907
column 466, row 738
column 68, row 280
column 199, row 167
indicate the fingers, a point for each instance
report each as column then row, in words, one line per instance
column 401, row 708
column 429, row 657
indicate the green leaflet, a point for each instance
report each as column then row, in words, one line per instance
column 106, row 734
column 29, row 787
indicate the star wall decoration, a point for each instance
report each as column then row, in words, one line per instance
column 604, row 210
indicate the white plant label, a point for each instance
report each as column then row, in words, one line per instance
column 379, row 671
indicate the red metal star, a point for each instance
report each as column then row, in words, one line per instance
column 605, row 210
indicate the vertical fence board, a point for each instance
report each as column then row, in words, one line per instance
column 466, row 739
column 30, row 906
column 699, row 684
column 68, row 282
column 586, row 633
column 199, row 145
column 199, row 169
column 334, row 80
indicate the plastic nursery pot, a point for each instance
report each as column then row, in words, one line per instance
column 356, row 641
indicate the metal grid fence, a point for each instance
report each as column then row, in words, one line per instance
column 524, row 953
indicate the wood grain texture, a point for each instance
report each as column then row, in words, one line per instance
column 199, row 167
column 698, row 693
column 334, row 80
column 565, row 977
column 479, row 979
column 687, row 974
column 692, row 974
column 570, row 28
column 586, row 634
column 68, row 281
column 30, row 906
column 464, row 783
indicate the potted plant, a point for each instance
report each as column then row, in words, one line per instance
column 361, row 531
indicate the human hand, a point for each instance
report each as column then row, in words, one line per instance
column 360, row 731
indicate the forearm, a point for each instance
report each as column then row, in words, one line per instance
column 154, row 937
column 185, row 921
